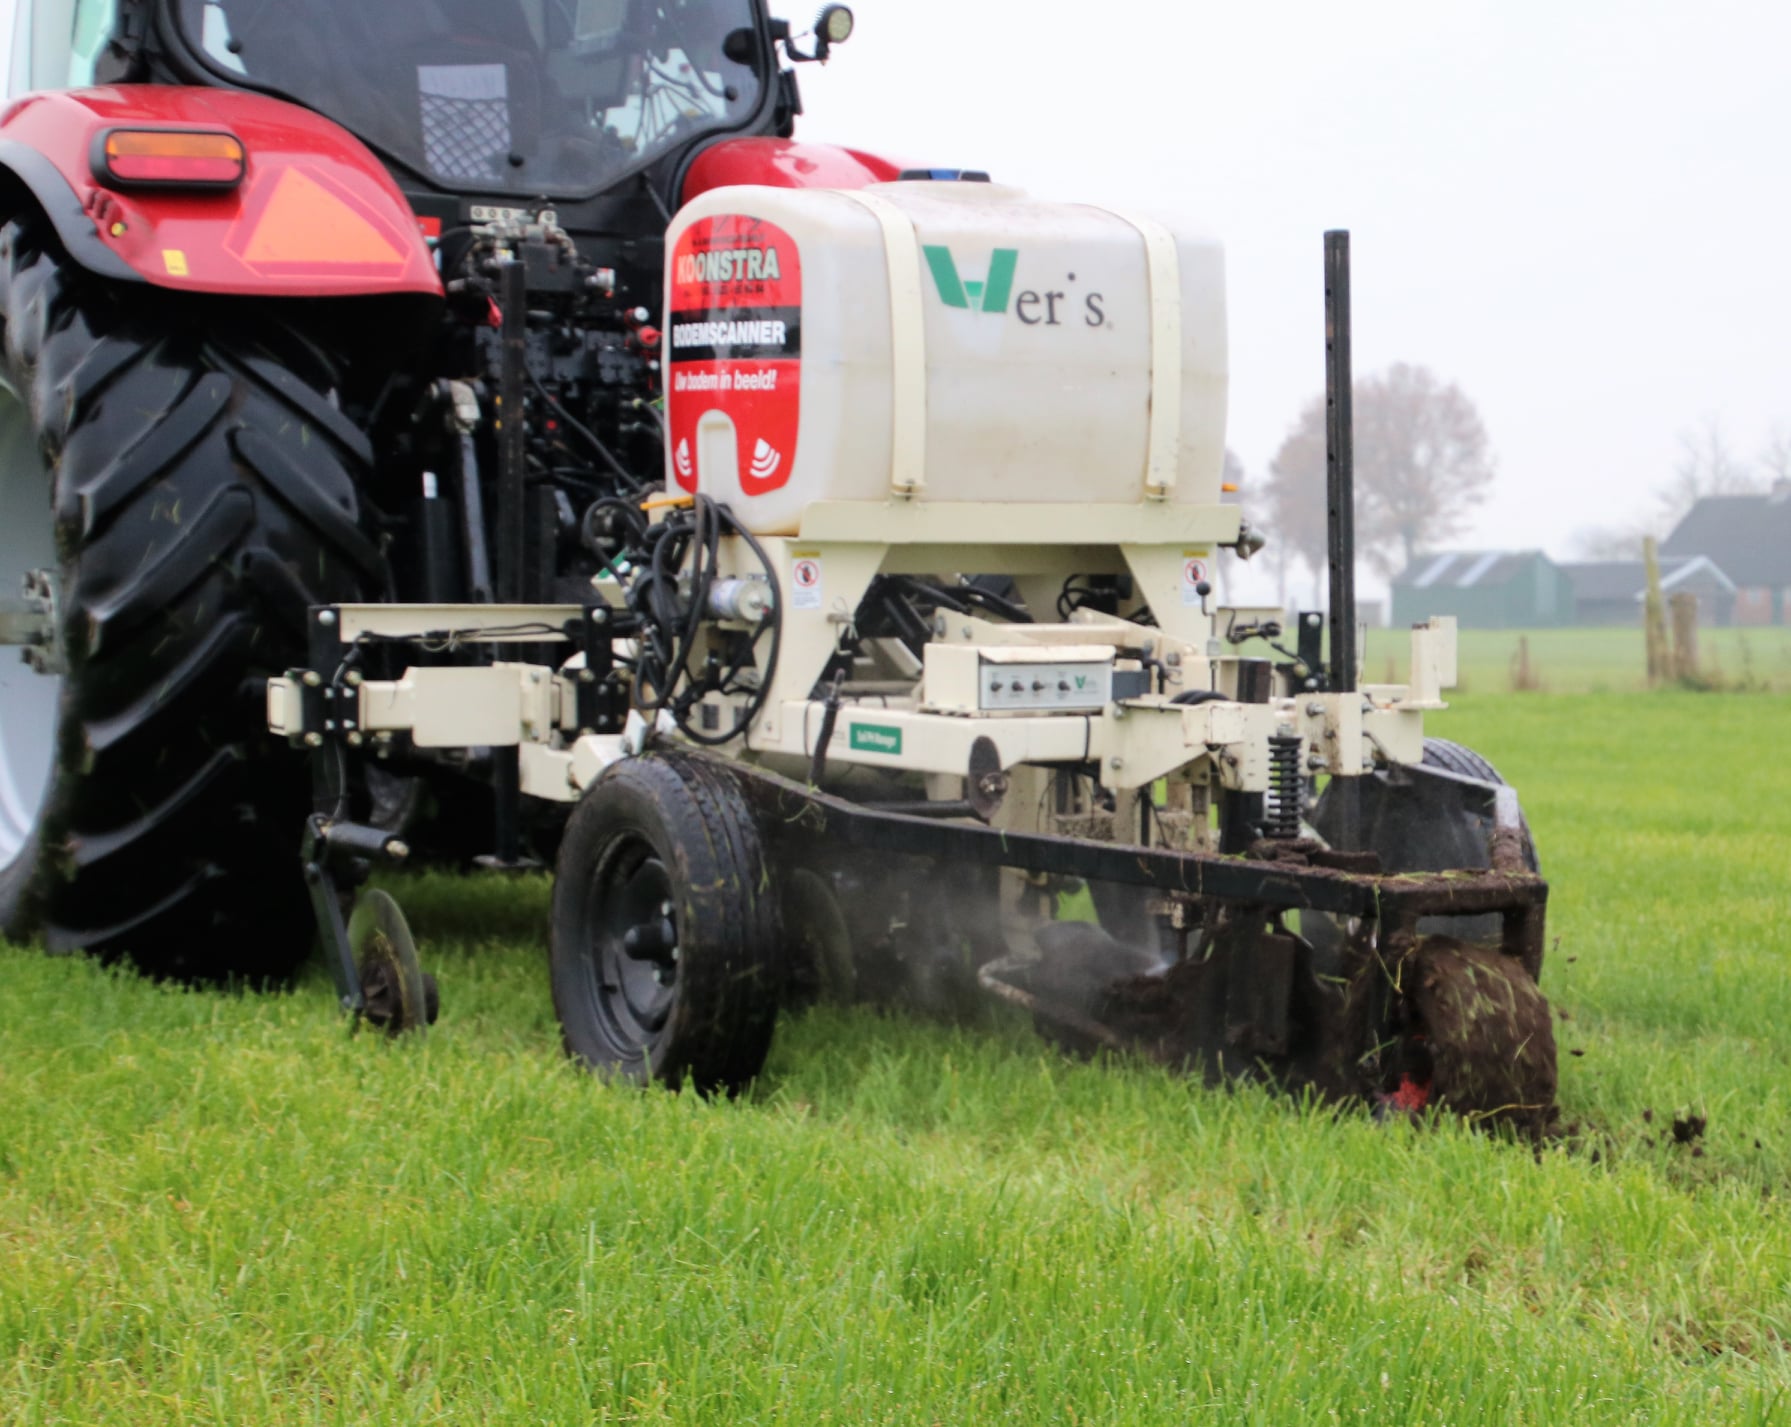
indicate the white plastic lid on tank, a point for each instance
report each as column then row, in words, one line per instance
column 940, row 341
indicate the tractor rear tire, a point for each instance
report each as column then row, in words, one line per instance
column 667, row 957
column 191, row 488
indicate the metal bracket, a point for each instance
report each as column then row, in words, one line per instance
column 323, row 849
column 602, row 701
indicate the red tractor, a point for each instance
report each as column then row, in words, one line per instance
column 307, row 302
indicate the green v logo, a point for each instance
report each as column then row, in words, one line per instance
column 989, row 296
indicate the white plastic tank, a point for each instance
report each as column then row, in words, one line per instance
column 1028, row 374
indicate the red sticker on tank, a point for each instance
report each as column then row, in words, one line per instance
column 734, row 345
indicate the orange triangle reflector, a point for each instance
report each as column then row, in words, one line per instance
column 303, row 222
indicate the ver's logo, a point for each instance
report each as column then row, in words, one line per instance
column 990, row 295
column 995, row 292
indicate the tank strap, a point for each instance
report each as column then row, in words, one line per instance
column 908, row 333
column 1163, row 261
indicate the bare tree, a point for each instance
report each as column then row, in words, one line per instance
column 1422, row 463
column 1705, row 466
column 1293, row 505
column 1775, row 456
column 1612, row 542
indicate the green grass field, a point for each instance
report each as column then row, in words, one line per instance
column 223, row 1210
column 1591, row 661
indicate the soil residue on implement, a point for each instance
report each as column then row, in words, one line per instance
column 1461, row 1026
column 1488, row 1030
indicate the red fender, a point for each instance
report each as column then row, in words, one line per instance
column 316, row 215
column 785, row 163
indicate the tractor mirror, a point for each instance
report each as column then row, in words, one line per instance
column 742, row 46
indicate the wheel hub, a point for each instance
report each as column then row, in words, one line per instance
column 30, row 687
column 637, row 944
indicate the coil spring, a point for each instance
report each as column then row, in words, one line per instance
column 1281, row 809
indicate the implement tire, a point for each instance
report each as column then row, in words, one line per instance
column 1454, row 757
column 187, row 481
column 667, row 957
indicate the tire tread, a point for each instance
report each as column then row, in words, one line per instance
column 171, row 828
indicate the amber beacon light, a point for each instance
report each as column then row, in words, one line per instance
column 169, row 158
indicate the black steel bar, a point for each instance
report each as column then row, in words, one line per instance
column 326, row 907
column 791, row 812
column 512, row 517
column 1340, row 462
column 506, row 798
column 1453, row 894
column 472, row 502
column 954, row 809
column 512, row 491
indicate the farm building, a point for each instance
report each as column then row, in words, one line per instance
column 1612, row 591
column 1484, row 589
column 1749, row 536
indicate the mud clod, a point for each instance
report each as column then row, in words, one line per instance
column 1688, row 1129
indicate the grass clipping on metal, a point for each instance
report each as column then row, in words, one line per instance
column 1489, row 1033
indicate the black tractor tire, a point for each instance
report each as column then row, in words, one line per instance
column 667, row 957
column 203, row 490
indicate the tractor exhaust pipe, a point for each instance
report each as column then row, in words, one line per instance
column 1340, row 463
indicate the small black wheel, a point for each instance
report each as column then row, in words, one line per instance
column 1454, row 757
column 399, row 995
column 666, row 955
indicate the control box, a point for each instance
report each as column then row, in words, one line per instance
column 1018, row 679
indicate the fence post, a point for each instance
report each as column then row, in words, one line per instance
column 1685, row 636
column 1654, row 616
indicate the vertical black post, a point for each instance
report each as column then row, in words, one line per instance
column 512, row 492
column 1340, row 463
column 512, row 536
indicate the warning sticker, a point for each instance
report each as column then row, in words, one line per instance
column 734, row 341
column 1194, row 575
column 805, row 583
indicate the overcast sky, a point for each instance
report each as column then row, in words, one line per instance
column 1578, row 212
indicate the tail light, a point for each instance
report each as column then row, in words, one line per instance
column 169, row 158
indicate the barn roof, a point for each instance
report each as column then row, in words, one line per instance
column 1749, row 536
column 1466, row 569
column 1628, row 579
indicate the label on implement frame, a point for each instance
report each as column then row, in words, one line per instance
column 734, row 341
column 1195, row 572
column 805, row 581
column 876, row 738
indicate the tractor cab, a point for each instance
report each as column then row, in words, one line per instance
column 527, row 98
column 531, row 101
